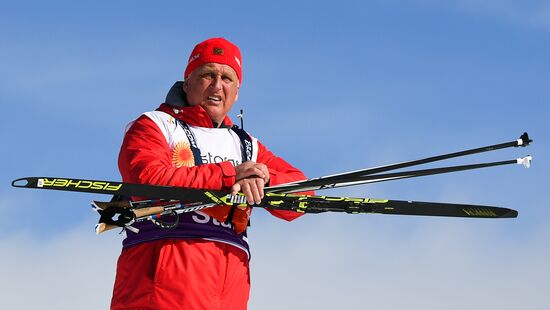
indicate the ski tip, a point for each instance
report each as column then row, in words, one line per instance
column 524, row 140
column 510, row 214
column 21, row 182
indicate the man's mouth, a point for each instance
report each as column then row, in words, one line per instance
column 214, row 98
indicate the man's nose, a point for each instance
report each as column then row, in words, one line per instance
column 216, row 83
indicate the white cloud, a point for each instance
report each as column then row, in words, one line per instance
column 70, row 271
column 319, row 262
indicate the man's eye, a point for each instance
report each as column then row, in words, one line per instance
column 208, row 76
column 227, row 78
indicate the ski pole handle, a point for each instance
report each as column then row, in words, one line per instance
column 143, row 212
column 102, row 227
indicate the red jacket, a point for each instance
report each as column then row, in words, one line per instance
column 145, row 157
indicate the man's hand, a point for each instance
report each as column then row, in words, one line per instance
column 251, row 179
column 252, row 188
column 252, row 169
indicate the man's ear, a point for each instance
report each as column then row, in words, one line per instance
column 185, row 86
column 237, row 95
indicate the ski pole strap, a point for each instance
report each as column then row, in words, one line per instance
column 246, row 142
column 165, row 225
column 246, row 149
column 192, row 142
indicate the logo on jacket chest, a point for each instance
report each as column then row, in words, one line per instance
column 210, row 158
column 182, row 156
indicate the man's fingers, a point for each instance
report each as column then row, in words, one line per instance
column 245, row 188
column 255, row 191
column 252, row 169
column 260, row 186
column 259, row 172
column 252, row 172
column 262, row 172
column 252, row 188
column 235, row 189
column 265, row 172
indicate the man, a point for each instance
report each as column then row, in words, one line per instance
column 189, row 141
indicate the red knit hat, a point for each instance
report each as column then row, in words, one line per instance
column 217, row 50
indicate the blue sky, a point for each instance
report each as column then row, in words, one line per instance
column 331, row 87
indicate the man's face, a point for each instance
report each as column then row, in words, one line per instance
column 213, row 86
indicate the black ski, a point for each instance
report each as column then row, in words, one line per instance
column 128, row 212
column 320, row 204
column 187, row 199
column 116, row 188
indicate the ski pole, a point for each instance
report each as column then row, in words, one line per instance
column 523, row 141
